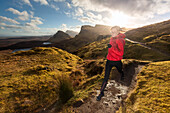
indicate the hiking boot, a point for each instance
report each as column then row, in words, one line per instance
column 100, row 96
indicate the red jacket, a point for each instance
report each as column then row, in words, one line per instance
column 115, row 53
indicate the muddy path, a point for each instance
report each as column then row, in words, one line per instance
column 115, row 93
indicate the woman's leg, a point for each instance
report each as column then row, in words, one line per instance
column 120, row 69
column 108, row 68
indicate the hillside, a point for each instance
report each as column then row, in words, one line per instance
column 154, row 35
column 151, row 94
column 87, row 35
column 31, row 80
column 98, row 49
column 50, row 80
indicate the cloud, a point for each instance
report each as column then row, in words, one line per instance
column 13, row 26
column 42, row 2
column 63, row 27
column 27, row 2
column 33, row 24
column 79, row 12
column 68, row 14
column 2, row 27
column 86, row 19
column 87, row 16
column 68, row 5
column 22, row 15
column 55, row 7
column 137, row 8
column 37, row 20
column 31, row 14
column 3, row 24
column 94, row 16
column 75, row 28
column 2, row 18
column 59, row 0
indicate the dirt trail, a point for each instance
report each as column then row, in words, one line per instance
column 115, row 92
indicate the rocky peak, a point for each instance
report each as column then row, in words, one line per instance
column 59, row 36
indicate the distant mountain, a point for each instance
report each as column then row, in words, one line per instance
column 71, row 33
column 59, row 36
column 87, row 35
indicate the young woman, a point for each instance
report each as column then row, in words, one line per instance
column 114, row 56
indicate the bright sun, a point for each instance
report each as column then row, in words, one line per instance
column 119, row 19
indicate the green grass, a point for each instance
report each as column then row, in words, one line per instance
column 33, row 79
column 161, row 43
column 136, row 51
column 152, row 94
column 95, row 50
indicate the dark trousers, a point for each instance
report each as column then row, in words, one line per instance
column 109, row 65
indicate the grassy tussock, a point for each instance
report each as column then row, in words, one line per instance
column 33, row 79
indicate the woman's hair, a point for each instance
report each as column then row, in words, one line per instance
column 117, row 28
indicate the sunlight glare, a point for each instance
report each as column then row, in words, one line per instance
column 119, row 18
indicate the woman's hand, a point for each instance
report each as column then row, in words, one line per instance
column 109, row 45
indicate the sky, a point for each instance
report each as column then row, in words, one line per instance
column 46, row 17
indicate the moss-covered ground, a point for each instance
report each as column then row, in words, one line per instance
column 152, row 93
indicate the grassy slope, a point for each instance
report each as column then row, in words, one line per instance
column 36, row 78
column 31, row 79
column 162, row 43
column 152, row 94
column 98, row 49
column 154, row 35
column 136, row 51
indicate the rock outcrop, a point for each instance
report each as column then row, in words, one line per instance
column 59, row 36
